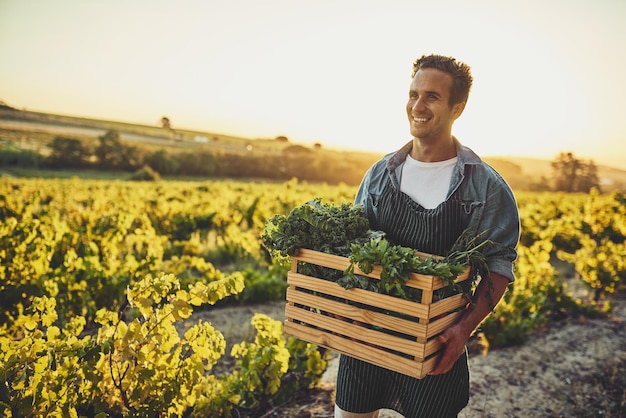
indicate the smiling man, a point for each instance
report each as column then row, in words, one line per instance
column 425, row 196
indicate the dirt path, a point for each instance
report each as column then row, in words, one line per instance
column 551, row 375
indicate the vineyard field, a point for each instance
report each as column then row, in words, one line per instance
column 97, row 275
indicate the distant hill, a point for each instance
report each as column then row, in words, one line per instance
column 4, row 106
column 523, row 171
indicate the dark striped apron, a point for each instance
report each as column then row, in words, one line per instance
column 363, row 387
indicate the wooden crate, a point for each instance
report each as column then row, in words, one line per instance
column 387, row 331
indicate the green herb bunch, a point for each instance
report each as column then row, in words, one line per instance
column 324, row 227
column 345, row 230
column 397, row 263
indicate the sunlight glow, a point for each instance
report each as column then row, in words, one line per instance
column 547, row 74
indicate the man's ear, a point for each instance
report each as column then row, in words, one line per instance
column 457, row 109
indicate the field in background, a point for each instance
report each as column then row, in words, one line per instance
column 34, row 131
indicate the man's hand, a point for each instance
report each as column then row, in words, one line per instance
column 454, row 340
column 456, row 336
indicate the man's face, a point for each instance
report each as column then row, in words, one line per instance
column 430, row 115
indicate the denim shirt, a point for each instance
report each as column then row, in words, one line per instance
column 490, row 202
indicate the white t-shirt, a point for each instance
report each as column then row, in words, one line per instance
column 427, row 183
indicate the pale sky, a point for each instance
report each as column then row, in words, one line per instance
column 548, row 74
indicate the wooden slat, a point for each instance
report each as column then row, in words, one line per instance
column 369, row 337
column 419, row 281
column 417, row 369
column 438, row 326
column 432, row 346
column 358, row 295
column 406, row 326
column 384, row 320
column 424, row 256
column 446, row 305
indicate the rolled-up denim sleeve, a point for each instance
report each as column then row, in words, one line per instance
column 361, row 194
column 500, row 224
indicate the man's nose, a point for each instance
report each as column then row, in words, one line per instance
column 418, row 104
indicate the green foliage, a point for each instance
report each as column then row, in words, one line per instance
column 88, row 316
column 15, row 157
column 573, row 175
column 145, row 367
column 265, row 286
column 162, row 162
column 68, row 153
column 146, row 173
column 321, row 226
column 132, row 368
column 77, row 246
column 397, row 263
column 261, row 364
column 198, row 163
column 110, row 152
column 576, row 228
column 587, row 231
column 532, row 298
column 337, row 229
column 113, row 154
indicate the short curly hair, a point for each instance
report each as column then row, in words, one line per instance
column 461, row 74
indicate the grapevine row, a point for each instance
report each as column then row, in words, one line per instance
column 94, row 276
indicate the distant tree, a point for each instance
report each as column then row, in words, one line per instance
column 20, row 158
column 132, row 157
column 282, row 138
column 203, row 163
column 162, row 162
column 165, row 123
column 317, row 145
column 67, row 152
column 296, row 149
column 573, row 175
column 111, row 151
column 588, row 178
column 145, row 174
column 543, row 185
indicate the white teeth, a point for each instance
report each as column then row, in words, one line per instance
column 420, row 120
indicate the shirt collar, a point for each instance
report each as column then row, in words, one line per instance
column 465, row 155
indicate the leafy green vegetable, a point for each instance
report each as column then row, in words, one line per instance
column 344, row 230
column 324, row 227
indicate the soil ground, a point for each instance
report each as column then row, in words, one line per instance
column 569, row 368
